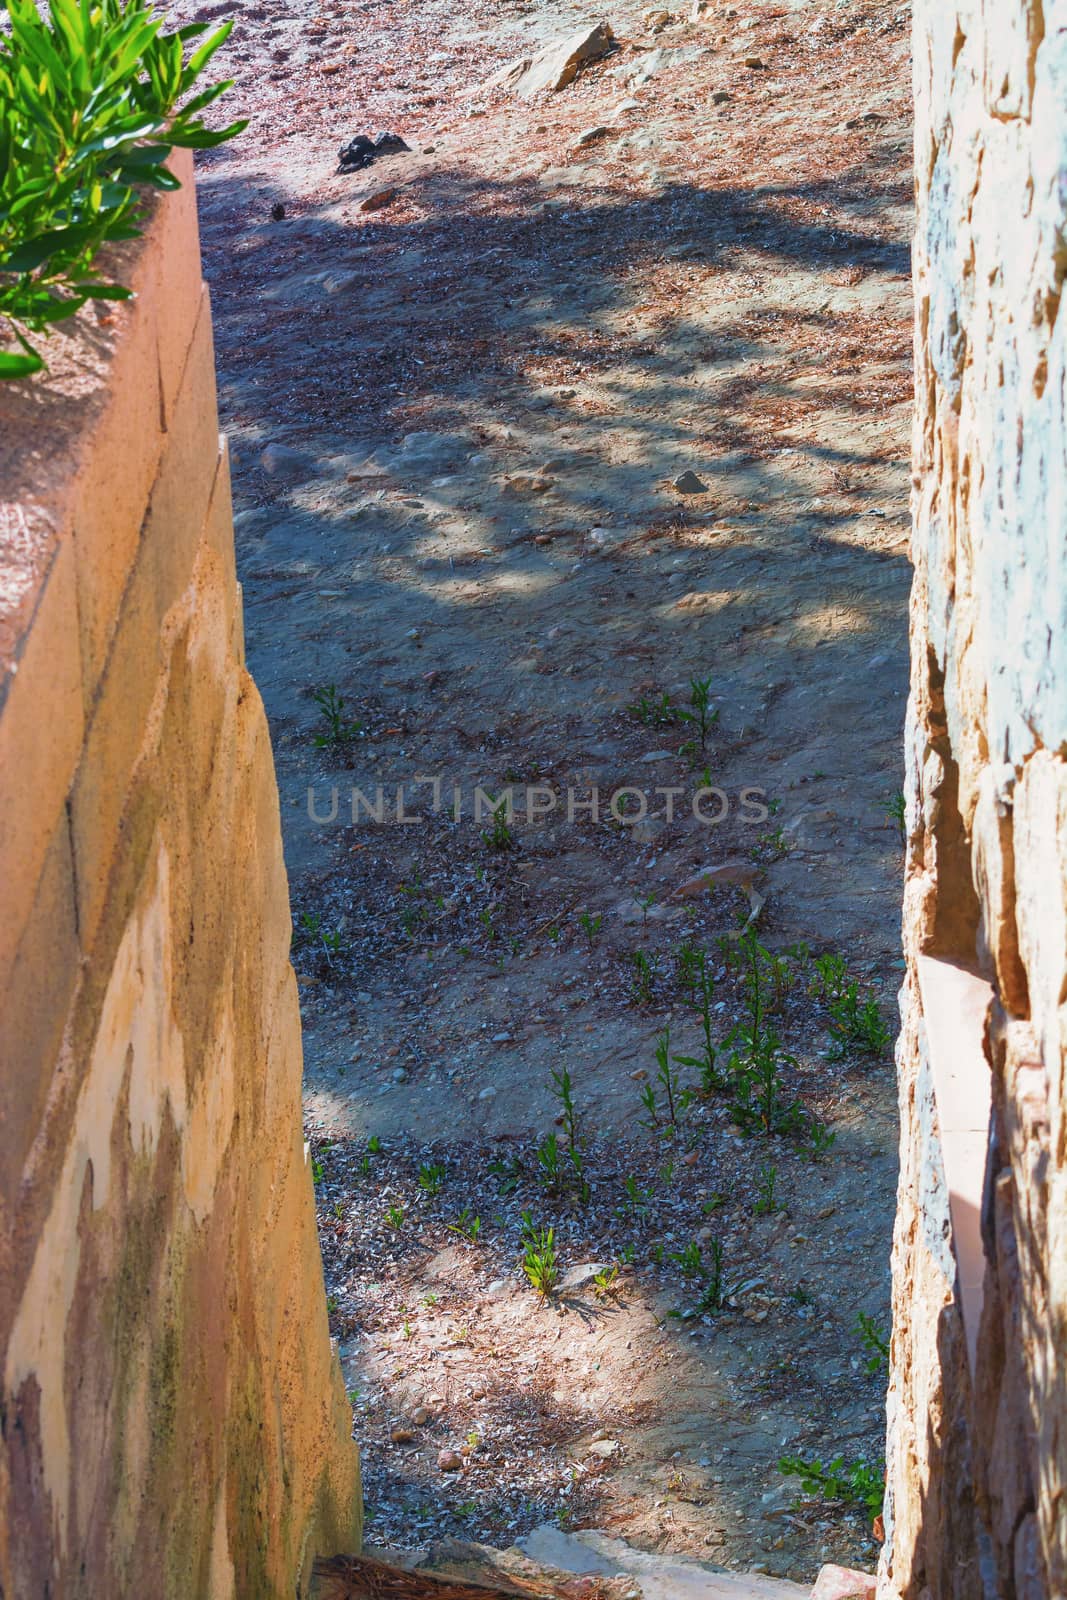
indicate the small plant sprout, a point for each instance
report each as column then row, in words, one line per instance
column 712, row 1079
column 854, row 1022
column 876, row 1344
column 374, row 1144
column 672, row 1101
column 498, row 836
column 645, row 972
column 330, row 940
column 605, row 1282
column 431, row 1179
column 508, row 1174
column 690, row 1259
column 339, row 730
column 856, row 1484
column 636, row 1201
column 394, row 1217
column 549, row 1163
column 712, row 1296
column 688, row 964
column 767, row 1202
column 563, row 1090
column 467, row 1225
column 772, row 845
column 590, row 925
column 318, row 1171
column 896, row 812
column 700, row 713
column 821, row 1141
column 539, row 1261
column 654, row 713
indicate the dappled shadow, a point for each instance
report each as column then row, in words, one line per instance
column 488, row 390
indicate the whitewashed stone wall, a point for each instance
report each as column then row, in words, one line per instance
column 978, row 1458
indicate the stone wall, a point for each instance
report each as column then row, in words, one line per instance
column 978, row 1403
column 173, row 1418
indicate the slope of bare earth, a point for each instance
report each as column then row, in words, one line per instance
column 459, row 419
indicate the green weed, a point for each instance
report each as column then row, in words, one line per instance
column 876, row 1344
column 467, row 1225
column 339, row 730
column 431, row 1179
column 539, row 1260
column 855, row 1484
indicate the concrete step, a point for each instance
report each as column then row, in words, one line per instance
column 659, row 1577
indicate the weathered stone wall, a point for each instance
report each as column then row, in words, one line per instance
column 173, row 1418
column 978, row 1443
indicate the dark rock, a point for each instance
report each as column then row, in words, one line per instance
column 363, row 151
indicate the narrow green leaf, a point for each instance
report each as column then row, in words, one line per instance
column 19, row 366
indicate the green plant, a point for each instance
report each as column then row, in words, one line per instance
column 712, row 1079
column 856, row 1483
column 830, row 978
column 90, row 108
column 590, row 925
column 701, row 713
column 374, row 1144
column 713, row 1294
column 338, row 728
column 466, row 1225
column 767, row 1202
column 754, row 1069
column 605, row 1282
column 759, row 1103
column 854, row 1022
column 394, row 1217
column 690, row 1259
column 645, row 973
column 858, row 1024
column 772, row 845
column 637, row 1201
column 673, row 1101
column 539, row 1261
column 688, row 964
column 549, row 1162
column 331, row 940
column 563, row 1089
column 498, row 836
column 876, row 1344
column 318, row 1171
column 821, row 1140
column 508, row 1174
column 431, row 1178
column 653, row 713
column 579, row 1180
column 896, row 812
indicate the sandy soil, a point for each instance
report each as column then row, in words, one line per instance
column 458, row 421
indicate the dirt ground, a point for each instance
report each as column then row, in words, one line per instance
column 459, row 421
